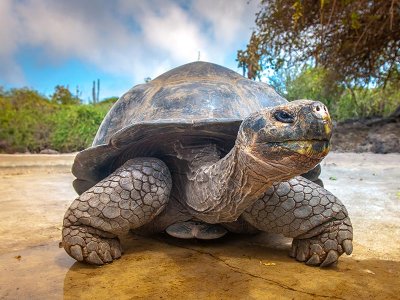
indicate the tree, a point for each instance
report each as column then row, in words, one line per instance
column 359, row 40
column 2, row 91
column 62, row 95
column 314, row 83
column 110, row 100
column 21, row 98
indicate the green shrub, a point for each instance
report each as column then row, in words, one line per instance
column 75, row 126
column 361, row 103
column 343, row 103
column 314, row 83
column 25, row 120
column 31, row 122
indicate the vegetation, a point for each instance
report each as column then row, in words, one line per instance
column 342, row 52
column 32, row 122
column 359, row 39
column 343, row 102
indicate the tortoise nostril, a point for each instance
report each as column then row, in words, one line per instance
column 319, row 110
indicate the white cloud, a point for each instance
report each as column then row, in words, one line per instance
column 134, row 38
column 64, row 32
column 9, row 36
column 230, row 20
column 174, row 33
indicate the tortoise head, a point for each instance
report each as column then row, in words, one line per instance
column 292, row 138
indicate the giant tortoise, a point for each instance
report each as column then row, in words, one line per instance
column 201, row 151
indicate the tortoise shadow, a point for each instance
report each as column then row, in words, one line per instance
column 234, row 266
column 152, row 267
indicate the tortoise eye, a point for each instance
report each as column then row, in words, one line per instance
column 283, row 116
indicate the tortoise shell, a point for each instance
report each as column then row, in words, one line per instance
column 195, row 104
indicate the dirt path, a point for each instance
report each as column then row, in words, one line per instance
column 36, row 190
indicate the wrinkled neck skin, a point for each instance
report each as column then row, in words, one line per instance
column 219, row 191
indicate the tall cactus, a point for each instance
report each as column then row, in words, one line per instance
column 98, row 89
column 95, row 94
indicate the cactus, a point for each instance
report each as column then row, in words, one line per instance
column 95, row 94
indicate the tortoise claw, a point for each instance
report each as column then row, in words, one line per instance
column 93, row 258
column 293, row 250
column 331, row 258
column 314, row 260
column 302, row 251
column 76, row 252
column 347, row 246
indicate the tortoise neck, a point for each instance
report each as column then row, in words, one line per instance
column 221, row 191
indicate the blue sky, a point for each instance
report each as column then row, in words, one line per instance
column 73, row 42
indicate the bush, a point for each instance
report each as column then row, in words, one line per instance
column 75, row 126
column 25, row 120
column 342, row 102
column 31, row 122
column 362, row 103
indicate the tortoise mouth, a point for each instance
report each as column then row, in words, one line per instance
column 309, row 148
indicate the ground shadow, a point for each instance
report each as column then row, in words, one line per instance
column 233, row 267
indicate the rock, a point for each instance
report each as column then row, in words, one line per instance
column 49, row 151
column 384, row 143
column 4, row 144
column 379, row 135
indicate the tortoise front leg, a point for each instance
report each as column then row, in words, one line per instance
column 305, row 211
column 129, row 198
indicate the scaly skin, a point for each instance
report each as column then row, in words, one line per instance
column 303, row 210
column 266, row 151
column 130, row 197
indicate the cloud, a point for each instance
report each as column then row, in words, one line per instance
column 229, row 21
column 134, row 38
column 9, row 36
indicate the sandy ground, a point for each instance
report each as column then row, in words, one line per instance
column 36, row 191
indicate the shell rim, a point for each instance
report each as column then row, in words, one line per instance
column 91, row 163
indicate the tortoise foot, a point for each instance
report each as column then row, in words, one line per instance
column 130, row 197
column 91, row 245
column 324, row 249
column 193, row 229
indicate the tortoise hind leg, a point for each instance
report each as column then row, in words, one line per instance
column 240, row 226
column 129, row 198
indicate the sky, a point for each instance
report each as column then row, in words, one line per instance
column 44, row 43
